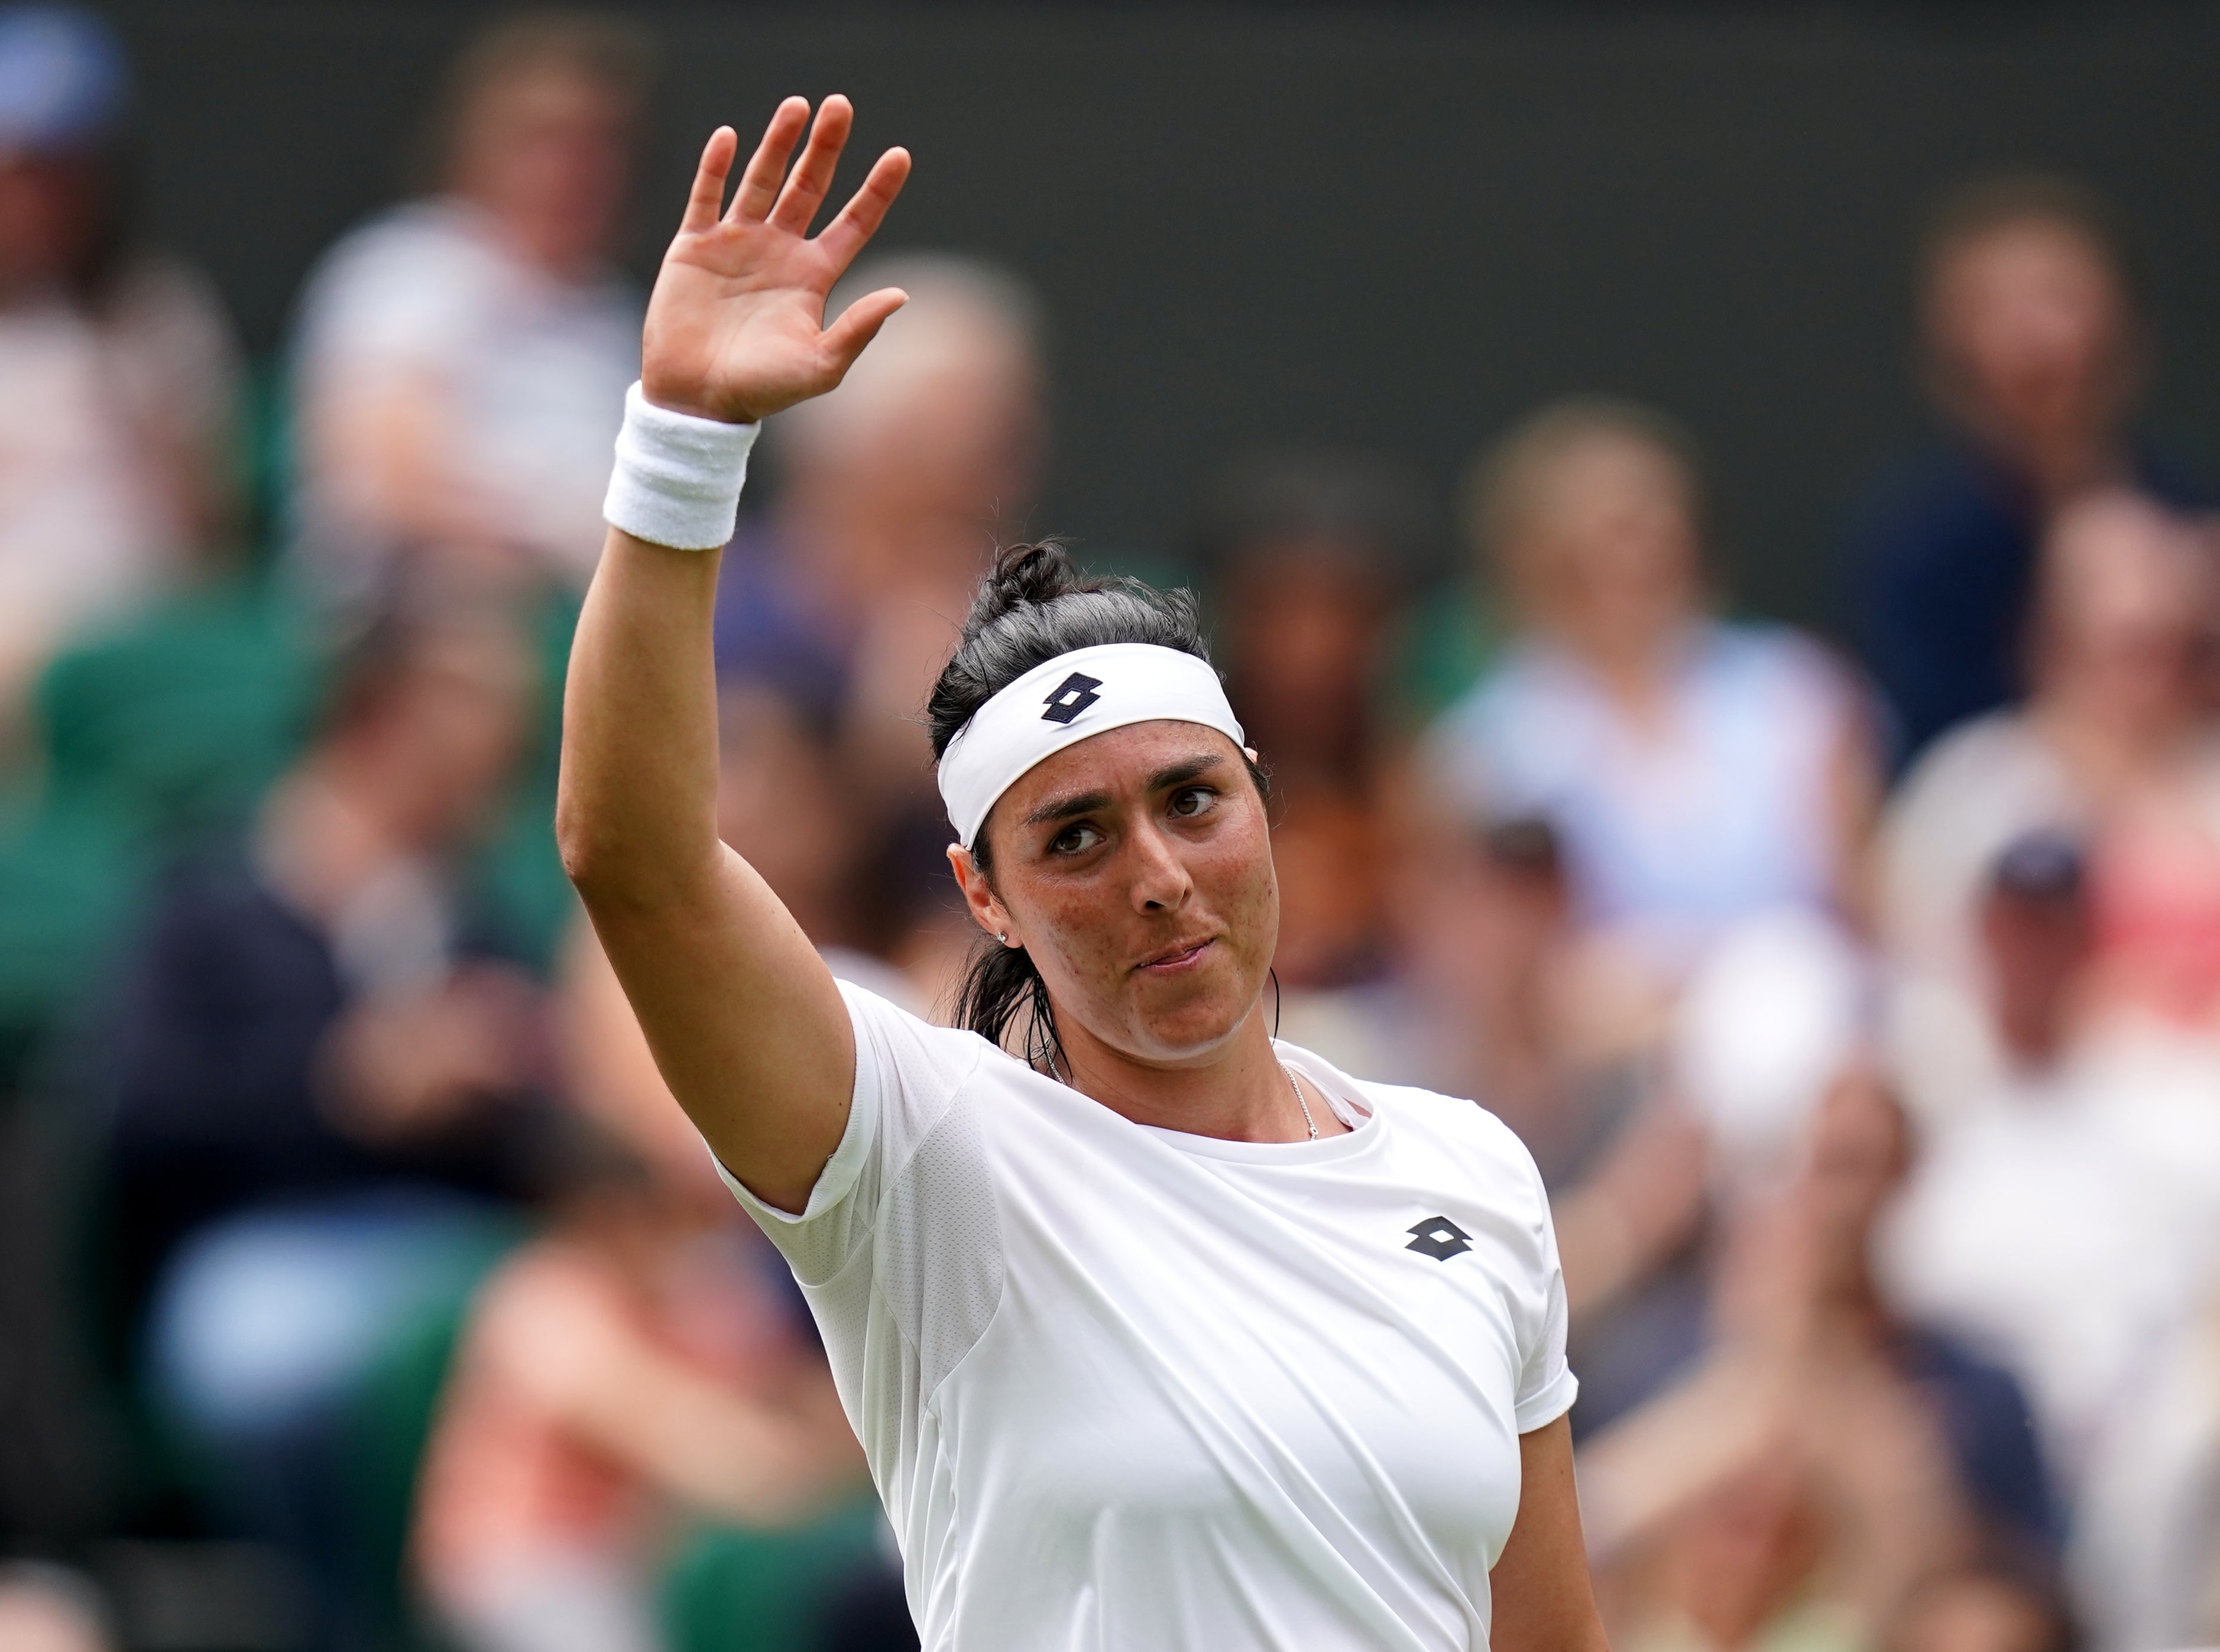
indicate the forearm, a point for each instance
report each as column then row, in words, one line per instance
column 636, row 811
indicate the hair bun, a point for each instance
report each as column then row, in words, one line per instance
column 1026, row 576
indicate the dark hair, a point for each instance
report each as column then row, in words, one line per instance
column 1365, row 509
column 1032, row 606
column 607, row 49
column 416, row 609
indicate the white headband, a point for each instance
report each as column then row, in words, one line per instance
column 1070, row 698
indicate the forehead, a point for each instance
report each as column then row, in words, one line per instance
column 1120, row 762
column 2022, row 253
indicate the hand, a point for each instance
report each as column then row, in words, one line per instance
column 735, row 328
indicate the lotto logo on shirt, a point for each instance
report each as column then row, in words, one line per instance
column 1440, row 1237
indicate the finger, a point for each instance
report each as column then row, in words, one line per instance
column 706, row 201
column 860, row 219
column 758, row 191
column 858, row 325
column 812, row 174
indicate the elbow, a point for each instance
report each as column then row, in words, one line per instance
column 594, row 857
column 578, row 843
column 616, row 862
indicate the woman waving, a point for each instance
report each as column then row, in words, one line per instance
column 1158, row 1334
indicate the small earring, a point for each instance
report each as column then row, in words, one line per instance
column 1003, row 936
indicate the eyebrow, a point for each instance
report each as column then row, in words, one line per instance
column 1174, row 774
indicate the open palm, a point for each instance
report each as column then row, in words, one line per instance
column 736, row 326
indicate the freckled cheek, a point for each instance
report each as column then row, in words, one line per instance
column 1085, row 938
column 1239, row 884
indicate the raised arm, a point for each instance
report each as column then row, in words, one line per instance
column 745, row 1021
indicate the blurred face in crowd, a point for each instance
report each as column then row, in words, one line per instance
column 1137, row 868
column 1975, row 1612
column 1327, row 857
column 51, row 211
column 1603, row 549
column 2125, row 617
column 1308, row 625
column 1860, row 1151
column 2028, row 327
column 1742, row 1551
column 546, row 149
column 941, row 422
column 2036, row 947
column 445, row 732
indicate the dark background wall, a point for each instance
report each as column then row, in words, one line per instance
column 1391, row 225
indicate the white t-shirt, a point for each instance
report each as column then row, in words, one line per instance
column 1122, row 1387
column 104, row 410
column 533, row 371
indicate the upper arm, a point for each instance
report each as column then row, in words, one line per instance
column 746, row 1023
column 1543, row 1599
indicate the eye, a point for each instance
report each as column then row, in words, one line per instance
column 1075, row 839
column 1190, row 801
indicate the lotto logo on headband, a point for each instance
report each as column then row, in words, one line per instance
column 1058, row 703
column 1073, row 695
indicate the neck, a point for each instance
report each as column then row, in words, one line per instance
column 2105, row 751
column 1237, row 1093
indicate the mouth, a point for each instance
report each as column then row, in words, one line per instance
column 1179, row 956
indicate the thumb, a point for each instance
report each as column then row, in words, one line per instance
column 857, row 326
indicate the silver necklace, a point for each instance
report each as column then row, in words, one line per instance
column 1309, row 1122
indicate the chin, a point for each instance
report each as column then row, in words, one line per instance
column 1196, row 1020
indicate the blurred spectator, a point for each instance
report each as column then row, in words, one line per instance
column 2035, row 358
column 1992, row 1604
column 2147, row 1530
column 461, row 361
column 1827, row 1459
column 319, row 1063
column 844, row 600
column 46, row 1609
column 2067, row 1220
column 1697, row 770
column 1311, row 558
column 638, row 1360
column 2123, row 616
column 118, row 374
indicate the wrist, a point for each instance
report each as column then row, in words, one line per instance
column 677, row 477
column 671, row 399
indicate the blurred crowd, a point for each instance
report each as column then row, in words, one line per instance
column 362, row 1287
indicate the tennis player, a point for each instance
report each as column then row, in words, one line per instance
column 1160, row 1336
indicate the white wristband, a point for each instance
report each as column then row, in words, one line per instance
column 677, row 477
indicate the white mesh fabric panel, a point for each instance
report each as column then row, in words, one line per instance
column 939, row 1245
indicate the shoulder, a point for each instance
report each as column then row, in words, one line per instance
column 1766, row 649
column 157, row 292
column 1999, row 749
column 418, row 261
column 1768, row 664
column 896, row 1045
column 1517, row 725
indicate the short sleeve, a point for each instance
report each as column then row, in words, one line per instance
column 899, row 1247
column 1546, row 1386
column 909, row 1074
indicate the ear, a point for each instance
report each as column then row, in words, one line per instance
column 979, row 897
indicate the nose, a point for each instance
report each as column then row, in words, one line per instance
column 1160, row 880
